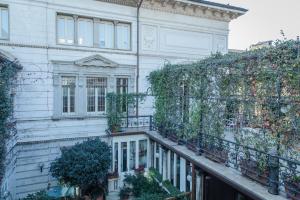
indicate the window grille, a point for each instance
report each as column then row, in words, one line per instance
column 96, row 94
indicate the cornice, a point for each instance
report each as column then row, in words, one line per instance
column 183, row 8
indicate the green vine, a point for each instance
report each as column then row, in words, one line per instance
column 8, row 72
column 258, row 90
column 120, row 106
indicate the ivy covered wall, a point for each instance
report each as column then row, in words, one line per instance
column 8, row 72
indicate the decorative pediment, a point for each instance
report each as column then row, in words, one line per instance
column 96, row 61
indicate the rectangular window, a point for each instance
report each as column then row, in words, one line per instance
column 142, row 153
column 132, row 154
column 85, row 32
column 122, row 90
column 4, row 33
column 124, row 156
column 65, row 29
column 116, row 155
column 68, row 90
column 96, row 94
column 106, row 34
column 123, row 36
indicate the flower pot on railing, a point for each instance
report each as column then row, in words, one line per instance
column 113, row 175
column 173, row 137
column 250, row 169
column 139, row 170
column 192, row 145
column 292, row 188
column 216, row 155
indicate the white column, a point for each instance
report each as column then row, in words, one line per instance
column 160, row 160
column 119, row 158
column 182, row 175
column 175, row 170
column 113, row 156
column 164, row 165
column 198, row 187
column 169, row 165
column 137, row 154
column 148, row 154
column 154, row 153
column 128, row 156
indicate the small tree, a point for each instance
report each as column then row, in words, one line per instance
column 83, row 164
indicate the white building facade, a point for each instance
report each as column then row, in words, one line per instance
column 74, row 52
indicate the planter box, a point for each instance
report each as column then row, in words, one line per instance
column 292, row 190
column 219, row 156
column 192, row 145
column 249, row 168
column 173, row 137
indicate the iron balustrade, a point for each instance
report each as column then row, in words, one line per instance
column 262, row 167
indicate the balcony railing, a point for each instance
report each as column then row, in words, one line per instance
column 275, row 172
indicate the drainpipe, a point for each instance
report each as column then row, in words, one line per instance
column 138, row 54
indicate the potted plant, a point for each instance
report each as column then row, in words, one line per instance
column 125, row 193
column 215, row 150
column 292, row 186
column 255, row 169
column 113, row 175
column 192, row 144
column 140, row 169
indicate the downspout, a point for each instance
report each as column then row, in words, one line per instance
column 138, row 55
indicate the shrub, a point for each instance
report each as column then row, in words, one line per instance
column 83, row 164
column 42, row 195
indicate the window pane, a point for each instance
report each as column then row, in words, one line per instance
column 106, row 34
column 91, row 105
column 142, row 153
column 65, row 99
column 4, row 23
column 65, row 30
column 68, row 93
column 85, row 32
column 132, row 154
column 96, row 94
column 122, row 88
column 116, row 157
column 124, row 156
column 123, row 36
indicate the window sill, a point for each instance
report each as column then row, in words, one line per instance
column 78, row 117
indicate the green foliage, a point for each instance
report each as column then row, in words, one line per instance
column 254, row 89
column 83, row 164
column 151, row 196
column 8, row 72
column 42, row 195
column 141, row 185
column 119, row 106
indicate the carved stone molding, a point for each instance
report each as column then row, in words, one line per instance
column 96, row 61
column 184, row 8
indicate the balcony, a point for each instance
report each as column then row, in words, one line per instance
column 232, row 163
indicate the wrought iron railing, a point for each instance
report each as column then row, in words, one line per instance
column 142, row 121
column 275, row 172
column 278, row 173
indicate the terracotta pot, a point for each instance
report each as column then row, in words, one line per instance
column 219, row 156
column 292, row 189
column 250, row 169
column 173, row 137
column 192, row 145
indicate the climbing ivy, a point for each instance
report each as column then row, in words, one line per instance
column 120, row 106
column 8, row 72
column 257, row 89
